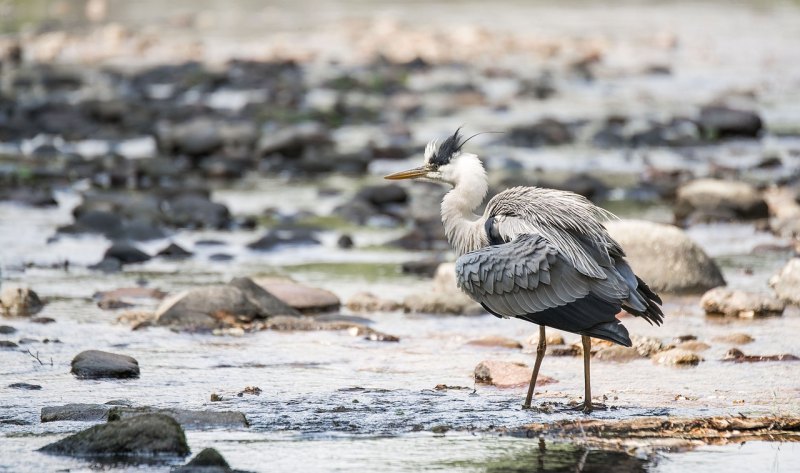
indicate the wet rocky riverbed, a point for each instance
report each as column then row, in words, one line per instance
column 209, row 202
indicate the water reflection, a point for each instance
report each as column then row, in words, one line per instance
column 554, row 457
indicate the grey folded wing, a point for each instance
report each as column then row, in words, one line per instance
column 529, row 278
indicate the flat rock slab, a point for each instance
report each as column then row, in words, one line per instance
column 734, row 339
column 736, row 355
column 304, row 298
column 141, row 436
column 507, row 374
column 96, row 364
column 188, row 419
column 496, row 342
column 308, row 323
column 76, row 412
column 715, row 430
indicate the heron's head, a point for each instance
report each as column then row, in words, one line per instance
column 444, row 162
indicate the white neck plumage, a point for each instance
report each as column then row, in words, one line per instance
column 463, row 228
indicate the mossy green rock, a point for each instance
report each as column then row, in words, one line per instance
column 140, row 436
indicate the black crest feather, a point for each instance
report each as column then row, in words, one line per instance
column 448, row 148
column 452, row 146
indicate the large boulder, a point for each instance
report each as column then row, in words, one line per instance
column 665, row 257
column 211, row 307
column 444, row 298
column 713, row 199
column 141, row 436
column 729, row 302
column 96, row 364
column 719, row 121
column 786, row 283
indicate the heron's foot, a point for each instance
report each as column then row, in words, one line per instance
column 587, row 408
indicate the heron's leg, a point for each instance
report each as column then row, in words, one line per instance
column 587, row 354
column 540, row 348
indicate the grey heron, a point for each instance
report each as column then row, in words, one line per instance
column 536, row 254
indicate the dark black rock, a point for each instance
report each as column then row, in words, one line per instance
column 383, row 195
column 25, row 386
column 7, row 345
column 207, row 461
column 195, row 211
column 356, row 211
column 174, row 251
column 586, row 185
column 7, row 330
column 345, row 241
column 547, row 132
column 274, row 238
column 96, row 221
column 94, row 364
column 141, row 436
column 425, row 267
column 722, row 122
column 126, row 253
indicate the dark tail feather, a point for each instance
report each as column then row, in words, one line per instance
column 613, row 332
column 646, row 291
column 652, row 313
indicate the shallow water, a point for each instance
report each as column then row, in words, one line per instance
column 336, row 400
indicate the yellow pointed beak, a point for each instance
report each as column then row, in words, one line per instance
column 407, row 174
